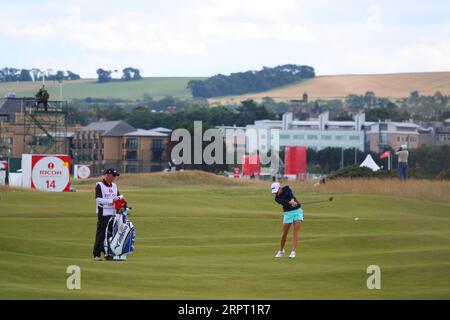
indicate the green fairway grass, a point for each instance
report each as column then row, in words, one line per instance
column 218, row 242
column 156, row 87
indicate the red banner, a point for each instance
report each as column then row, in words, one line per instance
column 251, row 164
column 295, row 161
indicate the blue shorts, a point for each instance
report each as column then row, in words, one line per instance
column 294, row 215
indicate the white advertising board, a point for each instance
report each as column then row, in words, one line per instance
column 81, row 171
column 46, row 172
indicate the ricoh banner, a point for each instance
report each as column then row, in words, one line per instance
column 46, row 172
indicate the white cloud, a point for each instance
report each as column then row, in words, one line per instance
column 111, row 34
column 45, row 30
column 419, row 57
column 433, row 56
column 206, row 37
column 237, row 20
column 190, row 30
column 114, row 35
column 262, row 10
column 373, row 20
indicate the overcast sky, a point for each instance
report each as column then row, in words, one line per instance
column 206, row 37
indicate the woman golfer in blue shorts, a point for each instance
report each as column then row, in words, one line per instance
column 293, row 214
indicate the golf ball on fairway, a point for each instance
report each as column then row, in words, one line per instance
column 356, row 218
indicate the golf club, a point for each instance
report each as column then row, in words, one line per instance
column 318, row 201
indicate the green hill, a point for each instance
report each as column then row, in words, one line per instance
column 325, row 87
column 156, row 87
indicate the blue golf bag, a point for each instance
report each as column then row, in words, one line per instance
column 120, row 236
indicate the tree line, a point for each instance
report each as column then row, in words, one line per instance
column 128, row 74
column 416, row 107
column 420, row 108
column 8, row 74
column 35, row 74
column 145, row 117
column 250, row 81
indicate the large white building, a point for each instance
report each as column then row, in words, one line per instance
column 322, row 133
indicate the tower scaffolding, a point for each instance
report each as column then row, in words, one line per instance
column 45, row 128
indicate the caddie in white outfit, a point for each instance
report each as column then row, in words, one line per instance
column 106, row 194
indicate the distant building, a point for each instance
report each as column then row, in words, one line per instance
column 162, row 130
column 323, row 133
column 118, row 144
column 171, row 109
column 100, row 141
column 426, row 136
column 317, row 133
column 14, row 133
column 396, row 134
column 102, row 144
column 442, row 133
column 145, row 150
column 239, row 142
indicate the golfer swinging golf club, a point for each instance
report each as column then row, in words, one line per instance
column 293, row 214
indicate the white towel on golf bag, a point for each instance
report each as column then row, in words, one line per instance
column 120, row 235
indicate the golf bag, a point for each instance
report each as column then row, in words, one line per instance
column 120, row 235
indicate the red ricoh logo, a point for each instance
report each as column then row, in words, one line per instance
column 50, row 171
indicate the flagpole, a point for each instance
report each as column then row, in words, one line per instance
column 389, row 161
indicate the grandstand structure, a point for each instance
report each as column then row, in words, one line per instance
column 45, row 128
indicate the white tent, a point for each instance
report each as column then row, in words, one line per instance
column 2, row 177
column 15, row 179
column 370, row 163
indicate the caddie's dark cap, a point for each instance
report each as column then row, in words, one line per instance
column 112, row 171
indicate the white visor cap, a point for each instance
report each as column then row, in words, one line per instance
column 275, row 187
